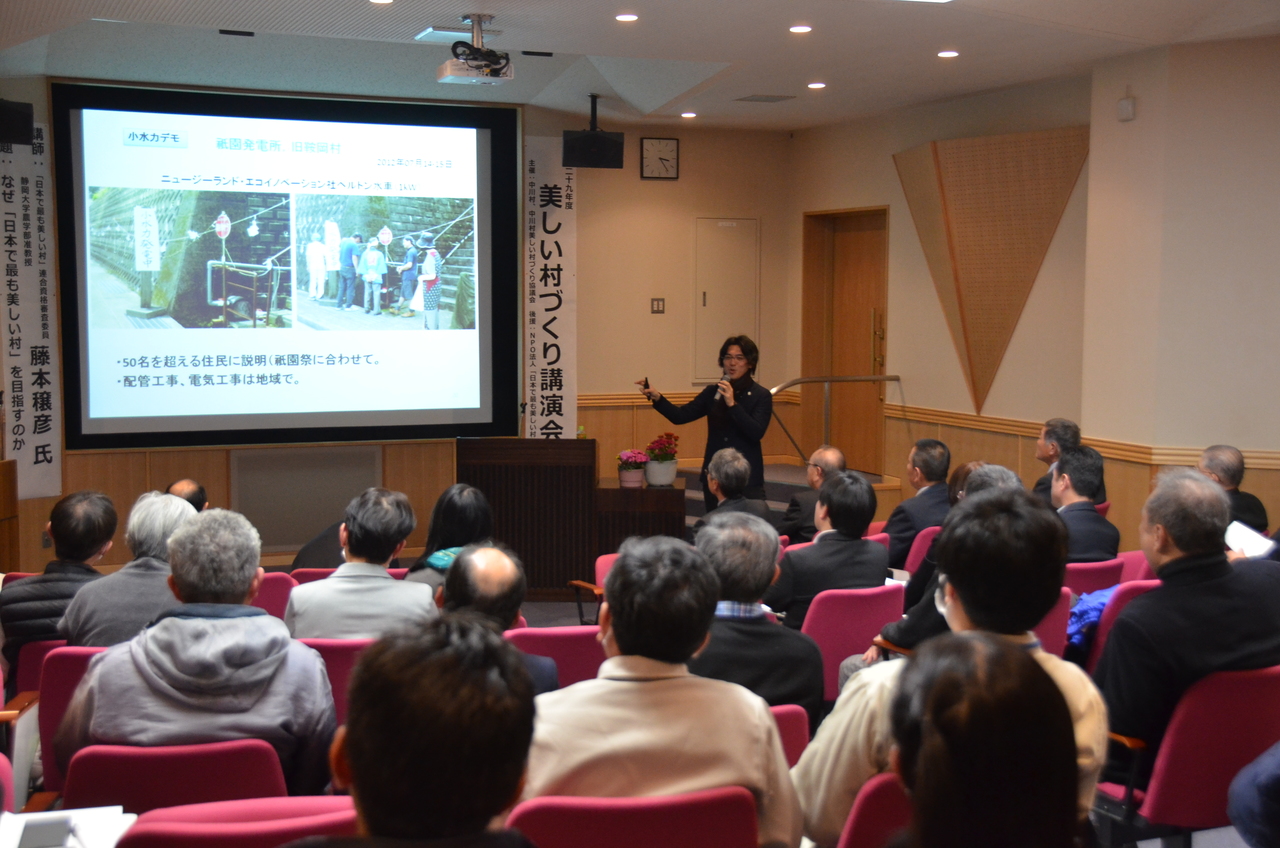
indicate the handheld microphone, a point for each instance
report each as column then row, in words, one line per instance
column 724, row 375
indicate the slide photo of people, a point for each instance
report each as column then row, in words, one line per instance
column 174, row 259
column 385, row 263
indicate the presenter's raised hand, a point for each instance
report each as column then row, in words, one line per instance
column 651, row 394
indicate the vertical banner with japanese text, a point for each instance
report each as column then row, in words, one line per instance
column 549, row 338
column 32, row 383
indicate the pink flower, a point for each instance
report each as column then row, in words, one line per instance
column 629, row 460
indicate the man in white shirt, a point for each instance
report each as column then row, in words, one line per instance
column 1001, row 559
column 645, row 725
column 361, row 600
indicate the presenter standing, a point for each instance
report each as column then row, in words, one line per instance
column 737, row 408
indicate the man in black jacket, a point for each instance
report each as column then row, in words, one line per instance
column 797, row 523
column 727, row 476
column 779, row 664
column 838, row 558
column 1206, row 616
column 1056, row 435
column 927, row 467
column 81, row 526
column 1224, row 465
column 1076, row 478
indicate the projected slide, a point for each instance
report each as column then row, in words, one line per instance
column 240, row 266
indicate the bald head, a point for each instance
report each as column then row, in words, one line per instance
column 191, row 492
column 486, row 578
column 823, row 463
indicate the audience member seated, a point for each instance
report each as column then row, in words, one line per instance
column 922, row 578
column 924, row 620
column 728, row 473
column 81, row 526
column 1207, row 615
column 1224, row 465
column 984, row 746
column 1254, row 800
column 839, row 557
column 436, row 739
column 779, row 664
column 461, row 517
column 489, row 579
column 646, row 726
column 927, row 467
column 1001, row 560
column 1056, row 435
column 361, row 600
column 1076, row 478
column 191, row 492
column 211, row 669
column 115, row 608
column 797, row 523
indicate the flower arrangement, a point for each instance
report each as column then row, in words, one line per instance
column 632, row 460
column 663, row 448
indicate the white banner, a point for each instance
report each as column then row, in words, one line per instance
column 32, row 382
column 550, row 336
column 146, row 239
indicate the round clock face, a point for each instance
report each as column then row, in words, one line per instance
column 660, row 158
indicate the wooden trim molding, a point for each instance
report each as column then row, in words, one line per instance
column 1109, row 448
column 678, row 398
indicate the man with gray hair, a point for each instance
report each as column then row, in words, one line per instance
column 113, row 609
column 211, row 669
column 781, row 665
column 797, row 522
column 1206, row 616
column 728, row 473
column 1224, row 465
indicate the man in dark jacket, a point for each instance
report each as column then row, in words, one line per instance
column 727, row 476
column 1224, row 465
column 1076, row 479
column 81, row 526
column 797, row 523
column 927, row 467
column 779, row 664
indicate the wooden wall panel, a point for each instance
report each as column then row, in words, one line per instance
column 613, row 428
column 208, row 467
column 422, row 470
column 122, row 475
column 1128, row 484
column 967, row 445
column 1029, row 468
column 776, row 446
column 33, row 515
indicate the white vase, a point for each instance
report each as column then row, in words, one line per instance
column 660, row 473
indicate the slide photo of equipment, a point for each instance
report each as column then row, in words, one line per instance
column 414, row 267
column 175, row 259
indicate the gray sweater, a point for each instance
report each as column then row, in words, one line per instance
column 119, row 606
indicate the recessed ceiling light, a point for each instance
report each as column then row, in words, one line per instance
column 627, row 18
column 802, row 28
column 688, row 114
column 948, row 54
column 380, row 2
column 817, row 85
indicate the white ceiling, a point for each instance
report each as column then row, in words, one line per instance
column 693, row 55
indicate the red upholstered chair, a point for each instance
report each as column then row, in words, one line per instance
column 253, row 823
column 1052, row 630
column 274, row 594
column 6, row 784
column 844, row 621
column 141, row 779
column 882, row 538
column 920, row 547
column 1209, row 739
column 798, row 546
column 398, row 573
column 11, row 576
column 876, row 527
column 1136, row 567
column 308, row 575
column 339, row 657
column 63, row 668
column 793, row 728
column 604, row 562
column 783, row 541
column 880, row 811
column 1103, row 508
column 574, row 648
column 1083, row 577
column 712, row 818
column 31, row 661
column 1120, row 598
column 521, row 621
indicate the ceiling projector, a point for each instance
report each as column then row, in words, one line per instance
column 475, row 64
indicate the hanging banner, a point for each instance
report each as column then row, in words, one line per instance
column 32, row 383
column 550, row 335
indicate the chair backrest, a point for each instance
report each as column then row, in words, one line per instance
column 308, row 575
column 1119, row 599
column 784, row 540
column 274, row 594
column 876, row 527
column 793, row 728
column 12, row 576
column 252, row 823
column 141, row 779
column 1103, row 508
column 577, row 653
column 844, row 621
column 1136, row 567
column 339, row 657
column 1052, row 629
column 63, row 668
column 798, row 546
column 398, row 573
column 1084, row 577
column 880, row 811
column 711, row 818
column 920, row 547
column 521, row 621
column 604, row 562
column 882, row 538
column 1209, row 739
column 31, row 661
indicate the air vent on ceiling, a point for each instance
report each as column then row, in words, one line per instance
column 767, row 98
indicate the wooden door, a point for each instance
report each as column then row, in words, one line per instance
column 726, row 288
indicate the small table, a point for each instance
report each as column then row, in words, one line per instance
column 648, row 511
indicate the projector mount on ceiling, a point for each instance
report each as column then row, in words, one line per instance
column 474, row 55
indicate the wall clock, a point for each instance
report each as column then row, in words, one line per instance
column 659, row 158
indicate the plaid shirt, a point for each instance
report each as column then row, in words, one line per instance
column 737, row 609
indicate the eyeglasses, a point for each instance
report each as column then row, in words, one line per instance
column 733, row 357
